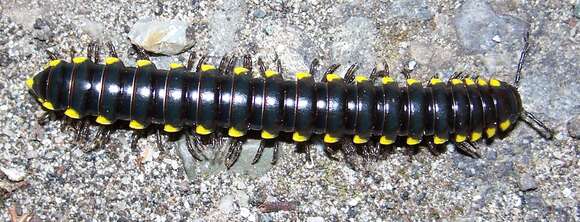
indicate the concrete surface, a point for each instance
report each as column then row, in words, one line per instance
column 48, row 176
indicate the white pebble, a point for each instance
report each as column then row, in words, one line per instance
column 14, row 174
column 315, row 219
column 244, row 212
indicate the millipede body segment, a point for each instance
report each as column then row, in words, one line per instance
column 208, row 98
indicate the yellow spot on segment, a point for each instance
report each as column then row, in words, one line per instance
column 143, row 63
column 411, row 81
column 505, row 125
column 413, row 141
column 240, row 70
column 360, row 79
column 494, row 82
column 54, row 63
column 386, row 141
column 359, row 140
column 270, row 73
column 456, row 81
column 103, row 120
column 469, row 81
column 233, row 132
column 170, row 128
column 332, row 77
column 79, row 60
column 490, row 132
column 460, row 138
column 48, row 105
column 302, row 75
column 40, row 100
column 268, row 135
column 481, row 82
column 175, row 65
column 438, row 140
column 435, row 81
column 201, row 130
column 70, row 112
column 111, row 60
column 299, row 137
column 386, row 80
column 136, row 125
column 330, row 139
column 30, row 83
column 475, row 136
column 207, row 67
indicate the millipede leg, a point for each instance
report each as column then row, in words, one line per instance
column 80, row 130
column 190, row 61
column 248, row 63
column 548, row 134
column 330, row 152
column 313, row 70
column 374, row 150
column 51, row 55
column 468, row 149
column 381, row 73
column 135, row 140
column 259, row 152
column 112, row 50
column 101, row 139
column 456, row 75
column 158, row 139
column 72, row 51
column 307, row 149
column 234, row 150
column 198, row 146
column 262, row 67
column 331, row 69
column 350, row 73
column 90, row 48
column 232, row 62
column 278, row 63
column 223, row 64
column 435, row 76
column 96, row 53
column 432, row 148
column 406, row 72
column 43, row 119
column 522, row 60
column 275, row 153
column 192, row 146
column 201, row 61
column 141, row 53
column 350, row 154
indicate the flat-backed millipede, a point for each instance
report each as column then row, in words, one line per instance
column 353, row 110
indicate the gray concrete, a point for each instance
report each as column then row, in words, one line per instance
column 522, row 177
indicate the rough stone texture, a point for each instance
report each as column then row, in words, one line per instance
column 63, row 182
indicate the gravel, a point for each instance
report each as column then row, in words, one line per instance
column 519, row 177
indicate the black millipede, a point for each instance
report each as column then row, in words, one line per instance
column 365, row 111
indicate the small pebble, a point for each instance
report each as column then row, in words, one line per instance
column 574, row 127
column 315, row 219
column 244, row 212
column 353, row 202
column 166, row 37
column 259, row 13
column 14, row 174
column 577, row 9
column 39, row 24
column 527, row 183
column 226, row 204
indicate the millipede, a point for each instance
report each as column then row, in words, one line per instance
column 349, row 112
